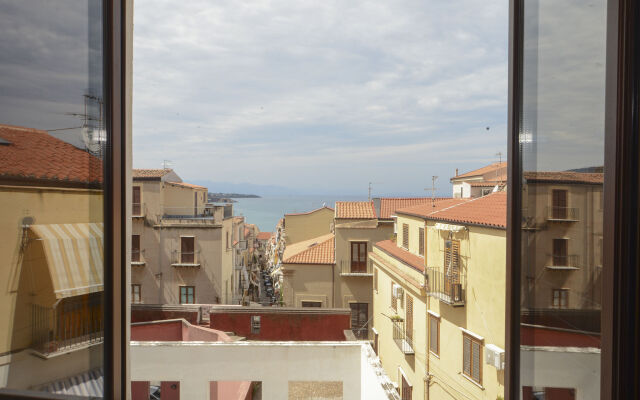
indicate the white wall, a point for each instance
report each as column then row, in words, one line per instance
column 275, row 364
column 562, row 367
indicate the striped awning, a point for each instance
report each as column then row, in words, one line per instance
column 88, row 384
column 74, row 254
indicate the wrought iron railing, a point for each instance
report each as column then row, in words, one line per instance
column 447, row 284
column 562, row 213
column 402, row 339
column 185, row 258
column 563, row 261
column 74, row 322
column 347, row 267
column 138, row 210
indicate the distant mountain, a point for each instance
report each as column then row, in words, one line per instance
column 247, row 188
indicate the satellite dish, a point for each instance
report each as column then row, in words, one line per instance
column 93, row 139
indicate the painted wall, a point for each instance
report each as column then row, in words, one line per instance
column 300, row 227
column 283, row 323
column 180, row 200
column 308, row 282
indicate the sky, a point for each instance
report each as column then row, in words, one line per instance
column 320, row 97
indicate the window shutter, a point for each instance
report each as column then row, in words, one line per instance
column 433, row 339
column 186, row 249
column 476, row 360
column 135, row 248
column 466, row 368
column 394, row 300
column 421, row 240
column 405, row 236
column 409, row 312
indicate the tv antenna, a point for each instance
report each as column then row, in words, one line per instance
column 433, row 190
column 166, row 164
column 371, row 188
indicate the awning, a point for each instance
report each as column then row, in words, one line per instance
column 448, row 227
column 88, row 384
column 74, row 254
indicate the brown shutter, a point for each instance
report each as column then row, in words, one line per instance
column 434, row 334
column 137, row 208
column 405, row 236
column 135, row 248
column 455, row 260
column 466, row 355
column 409, row 312
column 559, row 204
column 421, row 240
column 560, row 252
column 475, row 349
column 186, row 250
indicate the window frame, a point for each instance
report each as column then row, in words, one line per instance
column 133, row 293
column 480, row 344
column 186, row 288
column 135, row 258
column 360, row 265
column 421, row 241
column 434, row 319
column 405, row 236
column 561, row 292
column 307, row 303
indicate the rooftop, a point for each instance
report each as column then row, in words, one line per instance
column 311, row 212
column 412, row 260
column 264, row 235
column 319, row 250
column 489, row 210
column 185, row 184
column 565, row 177
column 497, row 166
column 355, row 210
column 33, row 155
column 150, row 173
column 426, row 209
column 389, row 205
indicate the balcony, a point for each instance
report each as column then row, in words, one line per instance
column 138, row 210
column 402, row 339
column 349, row 268
column 562, row 214
column 136, row 258
column 449, row 288
column 185, row 258
column 74, row 324
column 563, row 262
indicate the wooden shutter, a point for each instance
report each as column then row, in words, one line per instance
column 137, row 207
column 358, row 256
column 476, row 365
column 375, row 280
column 421, row 240
column 187, row 249
column 406, row 389
column 466, row 355
column 405, row 236
column 409, row 318
column 559, row 203
column 434, row 335
column 560, row 252
column 135, row 248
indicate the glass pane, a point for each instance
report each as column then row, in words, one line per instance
column 562, row 152
column 52, row 141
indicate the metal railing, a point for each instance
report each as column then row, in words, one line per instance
column 450, row 287
column 138, row 210
column 186, row 258
column 347, row 267
column 73, row 323
column 562, row 213
column 404, row 341
column 567, row 261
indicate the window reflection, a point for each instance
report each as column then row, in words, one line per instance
column 562, row 153
column 52, row 138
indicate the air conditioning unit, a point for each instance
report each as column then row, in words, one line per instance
column 397, row 291
column 494, row 356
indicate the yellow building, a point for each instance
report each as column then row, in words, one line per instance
column 439, row 299
column 479, row 182
column 307, row 225
column 182, row 248
column 51, row 206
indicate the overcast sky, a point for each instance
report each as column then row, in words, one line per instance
column 320, row 97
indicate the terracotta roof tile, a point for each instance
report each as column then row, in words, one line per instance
column 311, row 212
column 264, row 235
column 320, row 250
column 187, row 185
column 32, row 154
column 150, row 173
column 484, row 170
column 389, row 205
column 565, row 177
column 489, row 210
column 355, row 210
column 424, row 210
column 412, row 260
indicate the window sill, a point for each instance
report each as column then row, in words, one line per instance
column 434, row 354
column 471, row 380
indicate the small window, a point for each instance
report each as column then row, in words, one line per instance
column 227, row 241
column 187, row 295
column 136, row 293
column 421, row 239
column 559, row 204
column 358, row 257
column 560, row 298
column 407, row 389
column 187, row 254
column 255, row 324
column 136, row 209
column 312, row 304
column 472, row 358
column 405, row 236
column 434, row 335
column 560, row 250
column 135, row 248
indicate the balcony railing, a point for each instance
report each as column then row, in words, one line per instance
column 349, row 268
column 450, row 287
column 563, row 262
column 185, row 258
column 404, row 341
column 562, row 213
column 138, row 210
column 72, row 324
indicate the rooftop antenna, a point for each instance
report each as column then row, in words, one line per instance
column 499, row 154
column 433, row 190
column 166, row 164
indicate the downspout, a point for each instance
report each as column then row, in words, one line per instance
column 427, row 379
column 333, row 285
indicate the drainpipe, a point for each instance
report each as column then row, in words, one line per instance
column 333, row 285
column 427, row 379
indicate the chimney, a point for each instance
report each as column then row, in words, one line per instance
column 456, row 171
column 376, row 206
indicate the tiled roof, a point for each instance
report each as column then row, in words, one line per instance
column 247, row 231
column 486, row 183
column 150, row 173
column 311, row 212
column 424, row 210
column 412, row 260
column 187, row 185
column 483, row 170
column 355, row 209
column 489, row 210
column 264, row 235
column 389, row 205
column 565, row 177
column 320, row 250
column 31, row 154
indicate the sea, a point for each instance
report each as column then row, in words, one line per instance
column 265, row 212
